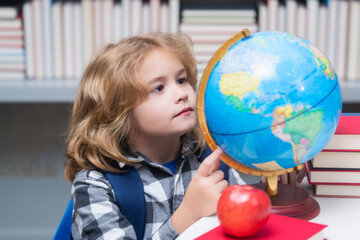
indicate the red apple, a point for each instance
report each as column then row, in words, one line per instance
column 243, row 210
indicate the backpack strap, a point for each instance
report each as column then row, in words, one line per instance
column 130, row 197
column 63, row 231
column 223, row 167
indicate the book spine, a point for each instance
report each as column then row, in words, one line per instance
column 10, row 24
column 332, row 37
column 13, row 59
column 108, row 21
column 262, row 16
column 174, row 8
column 354, row 38
column 218, row 13
column 118, row 23
column 98, row 30
column 87, row 31
column 155, row 15
column 78, row 59
column 28, row 32
column 164, row 18
column 12, row 67
column 341, row 150
column 8, row 12
column 327, row 190
column 291, row 16
column 323, row 28
column 136, row 17
column 348, row 125
column 301, row 21
column 126, row 4
column 47, row 40
column 273, row 6
column 342, row 45
column 69, row 40
column 281, row 18
column 146, row 18
column 312, row 22
column 12, row 75
column 38, row 39
column 57, row 39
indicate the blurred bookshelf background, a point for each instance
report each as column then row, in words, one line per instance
column 46, row 44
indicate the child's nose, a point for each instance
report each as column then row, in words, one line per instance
column 180, row 94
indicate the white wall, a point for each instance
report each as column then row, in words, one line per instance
column 33, row 191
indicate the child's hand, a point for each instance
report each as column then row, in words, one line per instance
column 202, row 194
column 206, row 187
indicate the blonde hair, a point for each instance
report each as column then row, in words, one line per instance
column 101, row 126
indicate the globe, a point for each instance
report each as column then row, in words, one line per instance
column 270, row 100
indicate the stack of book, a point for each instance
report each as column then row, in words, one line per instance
column 62, row 36
column 210, row 27
column 12, row 54
column 335, row 171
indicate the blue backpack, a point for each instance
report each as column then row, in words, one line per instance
column 130, row 198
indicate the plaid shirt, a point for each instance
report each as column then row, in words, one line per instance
column 97, row 216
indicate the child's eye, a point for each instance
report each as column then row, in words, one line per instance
column 182, row 80
column 159, row 88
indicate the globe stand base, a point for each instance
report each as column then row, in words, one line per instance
column 292, row 201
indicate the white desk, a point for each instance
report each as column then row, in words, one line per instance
column 342, row 215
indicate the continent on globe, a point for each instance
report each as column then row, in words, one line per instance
column 323, row 62
column 296, row 132
column 235, row 85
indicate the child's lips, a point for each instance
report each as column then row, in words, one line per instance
column 185, row 111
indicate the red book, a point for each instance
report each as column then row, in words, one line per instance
column 348, row 124
column 278, row 227
column 347, row 134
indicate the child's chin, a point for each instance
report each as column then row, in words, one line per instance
column 188, row 128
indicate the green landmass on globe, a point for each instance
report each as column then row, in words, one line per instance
column 270, row 100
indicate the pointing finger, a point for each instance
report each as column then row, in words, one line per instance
column 210, row 164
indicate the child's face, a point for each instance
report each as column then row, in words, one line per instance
column 169, row 109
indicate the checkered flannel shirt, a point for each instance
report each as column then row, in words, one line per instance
column 97, row 216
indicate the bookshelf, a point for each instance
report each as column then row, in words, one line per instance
column 62, row 89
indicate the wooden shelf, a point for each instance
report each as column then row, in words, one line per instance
column 64, row 90
column 350, row 91
column 42, row 91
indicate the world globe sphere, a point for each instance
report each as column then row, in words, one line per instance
column 270, row 100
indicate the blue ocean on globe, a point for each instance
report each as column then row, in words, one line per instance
column 272, row 101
